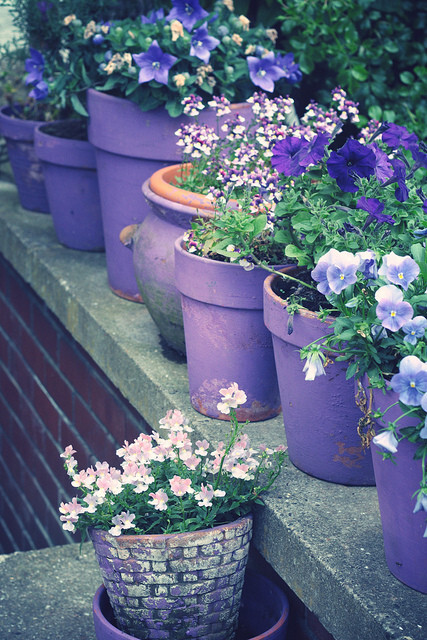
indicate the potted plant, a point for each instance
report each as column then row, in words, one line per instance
column 175, row 521
column 145, row 68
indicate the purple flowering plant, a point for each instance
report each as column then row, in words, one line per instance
column 168, row 483
column 177, row 51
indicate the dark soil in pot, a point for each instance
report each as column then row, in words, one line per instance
column 69, row 129
column 308, row 298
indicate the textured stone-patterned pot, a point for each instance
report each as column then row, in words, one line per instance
column 176, row 586
column 320, row 416
column 225, row 337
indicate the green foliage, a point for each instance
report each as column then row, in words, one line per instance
column 375, row 49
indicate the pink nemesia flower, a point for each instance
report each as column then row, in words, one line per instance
column 205, row 495
column 192, row 462
column 181, row 486
column 232, row 398
column 202, row 447
column 240, row 471
column 68, row 452
column 159, row 500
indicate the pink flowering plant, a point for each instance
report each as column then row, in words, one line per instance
column 166, row 483
column 178, row 50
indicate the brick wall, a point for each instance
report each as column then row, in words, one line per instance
column 52, row 394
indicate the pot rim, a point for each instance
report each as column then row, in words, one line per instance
column 161, row 183
column 180, row 207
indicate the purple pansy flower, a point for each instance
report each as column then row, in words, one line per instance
column 353, row 159
column 188, row 12
column 153, row 16
column 396, row 136
column 411, row 381
column 291, row 68
column 34, row 66
column 401, row 270
column 387, row 441
column 368, row 264
column 154, row 64
column 285, row 158
column 202, row 44
column 375, row 209
column 264, row 71
column 342, row 272
column 415, row 329
column 391, row 309
column 319, row 273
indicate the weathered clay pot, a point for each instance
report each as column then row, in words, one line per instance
column 225, row 336
column 170, row 212
column 320, row 416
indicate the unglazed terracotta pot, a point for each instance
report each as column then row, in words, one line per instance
column 178, row 585
column 130, row 146
column 225, row 337
column 69, row 169
column 264, row 612
column 320, row 416
column 404, row 545
column 26, row 167
column 171, row 211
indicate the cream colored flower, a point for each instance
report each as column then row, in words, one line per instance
column 127, row 59
column 245, row 22
column 131, row 35
column 177, row 30
column 272, row 34
column 68, row 19
column 229, row 4
column 237, row 39
column 179, row 79
column 90, row 29
column 105, row 28
column 250, row 49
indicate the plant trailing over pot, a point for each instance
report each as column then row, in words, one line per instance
column 158, row 59
column 187, row 509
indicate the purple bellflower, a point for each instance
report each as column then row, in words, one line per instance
column 353, row 159
column 202, row 44
column 154, row 64
column 39, row 91
column 411, row 381
column 401, row 270
column 291, row 68
column 34, row 66
column 265, row 71
column 396, row 136
column 415, row 329
column 391, row 309
column 387, row 441
column 153, row 17
column 188, row 12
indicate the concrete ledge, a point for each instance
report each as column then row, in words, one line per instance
column 324, row 540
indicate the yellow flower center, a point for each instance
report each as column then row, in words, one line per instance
column 392, row 313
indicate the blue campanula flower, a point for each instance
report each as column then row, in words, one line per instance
column 35, row 67
column 188, row 12
column 39, row 91
column 153, row 17
column 415, row 329
column 387, row 441
column 421, row 504
column 353, row 159
column 391, row 309
column 264, row 72
column 202, row 44
column 313, row 366
column 411, row 381
column 292, row 71
column 154, row 64
column 401, row 270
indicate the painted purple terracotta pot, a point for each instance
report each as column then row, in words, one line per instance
column 26, row 167
column 404, row 545
column 176, row 586
column 69, row 168
column 320, row 416
column 226, row 340
column 130, row 146
column 263, row 615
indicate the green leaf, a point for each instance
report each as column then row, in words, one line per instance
column 359, row 72
column 391, row 46
column 77, row 106
column 406, row 77
column 375, row 112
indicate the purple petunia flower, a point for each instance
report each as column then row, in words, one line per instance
column 419, row 156
column 202, row 44
column 188, row 12
column 401, row 270
column 285, row 158
column 391, row 309
column 292, row 71
column 264, row 71
column 387, row 441
column 383, row 168
column 342, row 272
column 34, row 66
column 153, row 17
column 399, row 176
column 375, row 209
column 353, row 159
column 312, row 151
column 411, row 381
column 39, row 91
column 154, row 64
column 421, row 195
column 415, row 329
column 396, row 136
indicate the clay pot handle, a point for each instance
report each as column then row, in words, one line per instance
column 127, row 235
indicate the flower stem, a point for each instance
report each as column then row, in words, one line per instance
column 283, row 275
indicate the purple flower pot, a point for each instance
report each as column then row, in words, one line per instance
column 225, row 337
column 26, row 167
column 320, row 416
column 69, row 168
column 404, row 545
column 130, row 146
column 264, row 612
